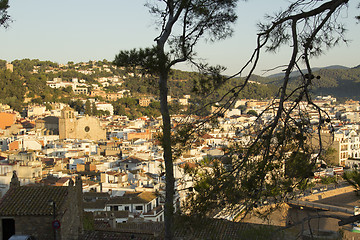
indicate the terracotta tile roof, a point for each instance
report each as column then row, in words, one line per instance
column 95, row 195
column 110, row 235
column 62, row 181
column 32, row 200
column 107, row 214
column 114, row 173
column 195, row 229
column 147, row 196
column 49, row 180
column 218, row 229
column 188, row 164
column 133, row 198
column 132, row 159
column 98, row 204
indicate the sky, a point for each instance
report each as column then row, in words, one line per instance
column 83, row 30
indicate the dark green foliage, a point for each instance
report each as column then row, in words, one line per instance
column 77, row 105
column 129, row 107
column 94, row 110
column 209, row 79
column 88, row 110
column 88, row 221
column 328, row 180
column 252, row 112
column 175, row 108
column 27, row 65
column 142, row 85
column 182, row 83
column 12, row 89
column 271, row 167
column 23, row 79
column 4, row 17
column 2, row 64
column 146, row 60
column 353, row 178
column 299, row 166
column 329, row 156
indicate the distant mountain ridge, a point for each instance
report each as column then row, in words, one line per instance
column 338, row 81
column 297, row 73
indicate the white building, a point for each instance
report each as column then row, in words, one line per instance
column 347, row 145
column 105, row 107
column 144, row 205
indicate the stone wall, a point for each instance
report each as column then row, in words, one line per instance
column 327, row 194
column 37, row 226
column 71, row 222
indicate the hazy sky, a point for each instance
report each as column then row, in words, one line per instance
column 83, row 30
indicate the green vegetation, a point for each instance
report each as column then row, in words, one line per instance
column 328, row 180
column 342, row 83
column 12, row 89
column 130, row 107
column 252, row 112
column 353, row 178
column 4, row 17
column 29, row 81
column 30, row 76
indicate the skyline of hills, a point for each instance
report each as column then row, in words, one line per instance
column 29, row 77
column 338, row 81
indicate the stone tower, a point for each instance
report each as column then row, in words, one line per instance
column 67, row 123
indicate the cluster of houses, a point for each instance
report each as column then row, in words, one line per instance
column 121, row 161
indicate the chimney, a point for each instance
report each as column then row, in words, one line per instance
column 14, row 180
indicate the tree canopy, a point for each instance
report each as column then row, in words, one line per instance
column 4, row 17
column 254, row 170
column 182, row 24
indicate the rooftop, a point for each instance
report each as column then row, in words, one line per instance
column 34, row 200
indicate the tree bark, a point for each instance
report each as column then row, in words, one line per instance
column 166, row 143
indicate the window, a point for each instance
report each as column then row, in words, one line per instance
column 139, row 208
column 127, row 208
column 116, row 208
column 87, row 129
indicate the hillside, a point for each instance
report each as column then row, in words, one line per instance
column 297, row 73
column 28, row 83
column 341, row 82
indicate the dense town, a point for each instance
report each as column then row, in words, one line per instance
column 118, row 161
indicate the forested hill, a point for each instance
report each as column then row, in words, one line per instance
column 183, row 83
column 341, row 82
column 27, row 82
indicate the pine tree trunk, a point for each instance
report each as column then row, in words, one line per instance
column 166, row 142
